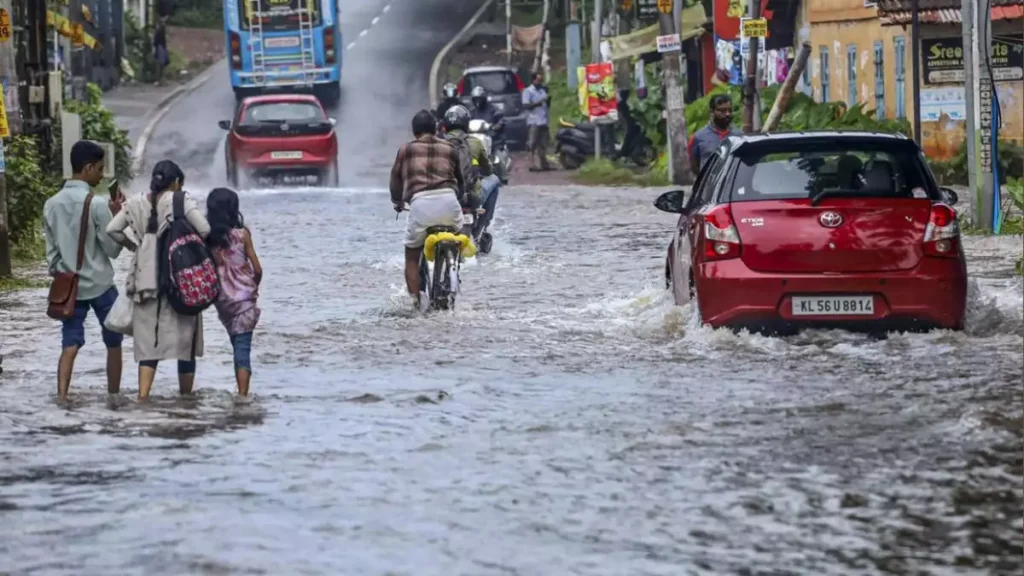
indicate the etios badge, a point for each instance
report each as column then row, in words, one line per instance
column 830, row 220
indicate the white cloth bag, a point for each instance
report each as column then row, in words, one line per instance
column 119, row 319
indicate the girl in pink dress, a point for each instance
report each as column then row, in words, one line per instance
column 240, row 274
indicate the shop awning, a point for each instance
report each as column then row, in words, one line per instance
column 646, row 39
column 901, row 12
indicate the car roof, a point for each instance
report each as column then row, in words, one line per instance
column 485, row 69
column 271, row 98
column 740, row 141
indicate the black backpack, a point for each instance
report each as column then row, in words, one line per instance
column 186, row 272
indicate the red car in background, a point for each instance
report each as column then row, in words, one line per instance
column 818, row 229
column 281, row 137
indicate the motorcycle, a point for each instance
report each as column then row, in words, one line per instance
column 574, row 144
column 501, row 162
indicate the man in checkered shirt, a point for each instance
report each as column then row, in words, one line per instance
column 426, row 175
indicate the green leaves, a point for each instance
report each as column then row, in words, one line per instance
column 29, row 184
column 32, row 177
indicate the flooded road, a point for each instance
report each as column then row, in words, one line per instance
column 566, row 419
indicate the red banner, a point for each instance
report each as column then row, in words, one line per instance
column 602, row 99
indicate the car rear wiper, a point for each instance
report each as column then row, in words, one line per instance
column 834, row 192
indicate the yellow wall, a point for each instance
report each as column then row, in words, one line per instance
column 836, row 24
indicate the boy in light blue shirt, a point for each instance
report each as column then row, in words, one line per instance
column 62, row 221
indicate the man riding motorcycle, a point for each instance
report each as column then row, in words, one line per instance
column 484, row 110
column 449, row 98
column 475, row 161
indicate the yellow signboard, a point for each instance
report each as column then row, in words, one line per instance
column 5, row 25
column 5, row 130
column 665, row 6
column 755, row 28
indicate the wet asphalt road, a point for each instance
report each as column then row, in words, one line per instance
column 566, row 419
column 389, row 47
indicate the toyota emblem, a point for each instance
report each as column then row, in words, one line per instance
column 830, row 220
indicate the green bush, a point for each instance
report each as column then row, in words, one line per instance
column 97, row 125
column 209, row 16
column 29, row 184
column 32, row 178
column 954, row 170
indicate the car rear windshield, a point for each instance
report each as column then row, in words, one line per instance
column 499, row 82
column 283, row 112
column 854, row 169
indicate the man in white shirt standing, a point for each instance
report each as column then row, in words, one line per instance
column 536, row 100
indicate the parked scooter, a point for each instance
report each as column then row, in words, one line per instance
column 574, row 144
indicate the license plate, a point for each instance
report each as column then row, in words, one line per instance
column 286, row 155
column 833, row 305
column 282, row 42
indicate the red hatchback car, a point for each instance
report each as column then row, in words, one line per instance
column 281, row 136
column 818, row 229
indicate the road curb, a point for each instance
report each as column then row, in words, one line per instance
column 435, row 68
column 161, row 109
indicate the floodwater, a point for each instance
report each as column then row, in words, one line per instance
column 565, row 419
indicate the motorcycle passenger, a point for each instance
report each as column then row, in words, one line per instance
column 449, row 98
column 474, row 159
column 428, row 176
column 484, row 110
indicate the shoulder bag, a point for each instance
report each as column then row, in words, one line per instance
column 64, row 288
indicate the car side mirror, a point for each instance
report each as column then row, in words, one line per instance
column 333, row 121
column 224, row 124
column 949, row 196
column 672, row 202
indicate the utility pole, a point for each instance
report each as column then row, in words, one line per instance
column 915, row 50
column 542, row 43
column 508, row 31
column 987, row 151
column 750, row 85
column 969, row 19
column 595, row 57
column 8, row 71
column 675, row 121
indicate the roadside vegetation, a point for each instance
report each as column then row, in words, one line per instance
column 35, row 173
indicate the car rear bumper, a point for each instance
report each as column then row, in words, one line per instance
column 307, row 162
column 932, row 295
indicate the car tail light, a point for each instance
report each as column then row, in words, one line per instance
column 235, row 48
column 520, row 86
column 461, row 87
column 721, row 239
column 942, row 233
column 329, row 54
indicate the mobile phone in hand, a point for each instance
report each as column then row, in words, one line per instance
column 115, row 190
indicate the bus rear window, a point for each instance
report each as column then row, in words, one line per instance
column 280, row 15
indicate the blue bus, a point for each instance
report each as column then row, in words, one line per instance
column 284, row 45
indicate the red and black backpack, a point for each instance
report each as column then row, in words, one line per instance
column 186, row 271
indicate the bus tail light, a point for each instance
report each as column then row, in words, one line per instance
column 329, row 49
column 235, row 50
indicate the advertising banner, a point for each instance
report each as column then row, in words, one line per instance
column 602, row 98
